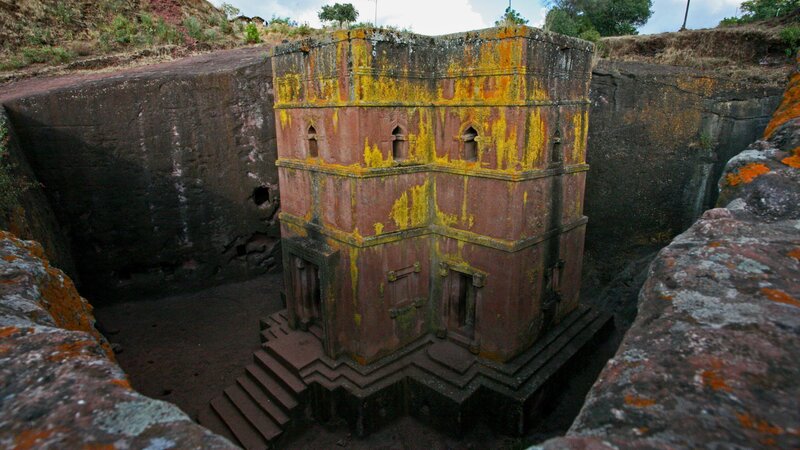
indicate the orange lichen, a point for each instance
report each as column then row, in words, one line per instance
column 780, row 297
column 746, row 174
column 97, row 446
column 123, row 383
column 789, row 107
column 8, row 331
column 795, row 254
column 10, row 258
column 712, row 379
column 667, row 298
column 715, row 244
column 794, row 160
column 70, row 350
column 639, row 402
column 762, row 426
column 30, row 439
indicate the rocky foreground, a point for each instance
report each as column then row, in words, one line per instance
column 712, row 358
column 59, row 385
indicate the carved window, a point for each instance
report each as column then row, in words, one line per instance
column 399, row 144
column 313, row 147
column 464, row 307
column 470, row 137
column 556, row 153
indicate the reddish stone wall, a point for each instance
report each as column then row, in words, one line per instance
column 505, row 218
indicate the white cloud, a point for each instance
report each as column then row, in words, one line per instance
column 432, row 17
column 435, row 17
column 668, row 14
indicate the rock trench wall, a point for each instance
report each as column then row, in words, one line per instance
column 712, row 356
column 659, row 138
column 163, row 177
column 32, row 217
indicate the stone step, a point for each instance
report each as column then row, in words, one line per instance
column 272, row 408
column 246, row 435
column 283, row 375
column 209, row 418
column 271, row 387
column 316, row 330
column 252, row 411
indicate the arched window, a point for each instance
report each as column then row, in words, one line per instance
column 470, row 144
column 313, row 149
column 399, row 144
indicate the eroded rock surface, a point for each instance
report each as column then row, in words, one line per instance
column 659, row 138
column 59, row 387
column 162, row 177
column 711, row 360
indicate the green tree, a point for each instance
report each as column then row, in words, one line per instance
column 511, row 17
column 753, row 10
column 339, row 12
column 606, row 17
column 229, row 10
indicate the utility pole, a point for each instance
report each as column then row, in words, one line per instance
column 686, row 16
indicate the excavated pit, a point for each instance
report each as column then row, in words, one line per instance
column 168, row 286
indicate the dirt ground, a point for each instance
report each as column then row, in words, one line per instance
column 186, row 349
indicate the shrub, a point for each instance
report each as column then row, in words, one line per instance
column 193, row 28
column 123, row 30
column 210, row 35
column 251, row 34
column 49, row 55
column 282, row 20
column 791, row 37
column 510, row 18
column 302, row 30
column 590, row 35
column 65, row 14
column 166, row 33
column 761, row 10
column 13, row 63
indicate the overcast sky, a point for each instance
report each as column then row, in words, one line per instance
column 434, row 17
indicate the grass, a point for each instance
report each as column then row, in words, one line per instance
column 791, row 37
column 60, row 32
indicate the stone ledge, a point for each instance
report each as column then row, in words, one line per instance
column 59, row 385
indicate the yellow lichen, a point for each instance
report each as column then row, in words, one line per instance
column 580, row 127
column 354, row 272
column 285, row 118
column 373, row 157
column 288, row 88
column 400, row 211
column 378, row 228
column 411, row 210
column 536, row 140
